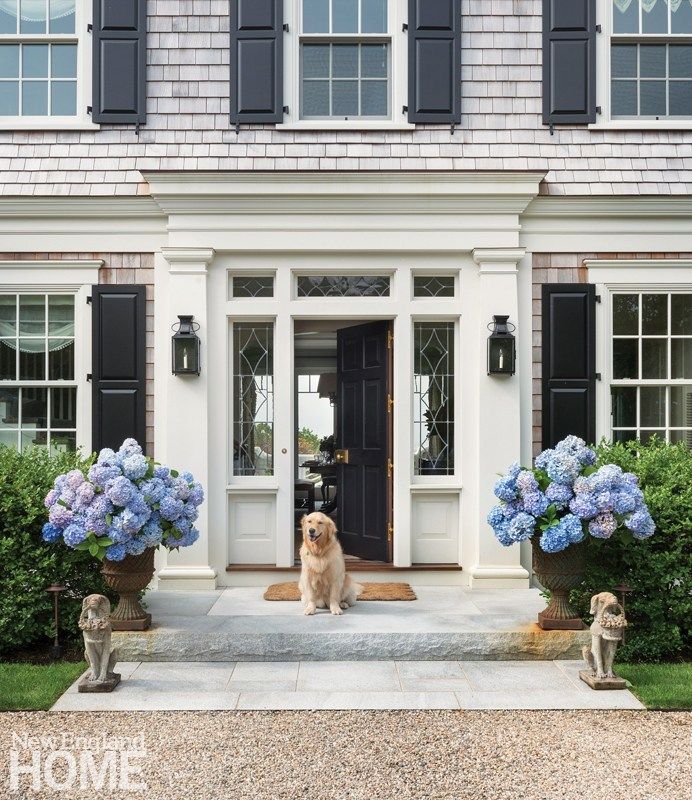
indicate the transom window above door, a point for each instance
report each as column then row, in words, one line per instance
column 345, row 59
column 651, row 369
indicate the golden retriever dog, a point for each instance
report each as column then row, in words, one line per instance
column 323, row 579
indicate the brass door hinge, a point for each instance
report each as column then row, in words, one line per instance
column 390, row 403
column 390, row 532
column 390, row 467
column 390, row 339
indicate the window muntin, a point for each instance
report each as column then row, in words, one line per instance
column 38, row 392
column 651, row 366
column 433, row 398
column 38, row 58
column 345, row 60
column 253, row 398
column 343, row 285
column 651, row 59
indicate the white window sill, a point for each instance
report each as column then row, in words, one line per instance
column 45, row 124
column 345, row 125
column 644, row 125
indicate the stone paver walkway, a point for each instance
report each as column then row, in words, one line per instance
column 177, row 686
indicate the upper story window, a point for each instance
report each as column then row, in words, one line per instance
column 345, row 53
column 42, row 62
column 651, row 59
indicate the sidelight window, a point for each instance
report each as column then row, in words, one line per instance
column 253, row 398
column 433, row 396
column 38, row 391
column 651, row 386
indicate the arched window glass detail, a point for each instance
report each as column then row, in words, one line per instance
column 433, row 398
column 253, row 398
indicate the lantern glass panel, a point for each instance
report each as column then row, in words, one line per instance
column 186, row 354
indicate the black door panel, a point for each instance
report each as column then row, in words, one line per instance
column 362, row 431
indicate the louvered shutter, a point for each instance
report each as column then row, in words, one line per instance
column 434, row 61
column 569, row 61
column 119, row 365
column 569, row 362
column 119, row 61
column 256, row 61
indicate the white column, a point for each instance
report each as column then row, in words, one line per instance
column 182, row 429
column 498, row 420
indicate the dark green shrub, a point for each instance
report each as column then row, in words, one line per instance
column 27, row 564
column 659, row 569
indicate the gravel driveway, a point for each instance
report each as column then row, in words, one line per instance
column 601, row 755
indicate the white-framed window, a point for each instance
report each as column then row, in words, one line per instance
column 345, row 64
column 645, row 63
column 650, row 364
column 38, row 386
column 45, row 64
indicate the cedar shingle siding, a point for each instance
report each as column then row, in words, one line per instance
column 188, row 107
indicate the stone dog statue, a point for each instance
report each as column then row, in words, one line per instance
column 95, row 623
column 606, row 634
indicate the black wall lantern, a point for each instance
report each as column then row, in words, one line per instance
column 502, row 349
column 186, row 347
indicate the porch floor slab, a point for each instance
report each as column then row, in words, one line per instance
column 348, row 685
column 445, row 623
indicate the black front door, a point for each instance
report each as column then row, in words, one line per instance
column 363, row 440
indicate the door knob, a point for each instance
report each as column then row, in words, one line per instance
column 341, row 456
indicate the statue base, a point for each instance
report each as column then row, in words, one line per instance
column 98, row 687
column 602, row 683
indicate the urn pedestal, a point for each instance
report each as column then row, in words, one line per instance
column 559, row 573
column 128, row 578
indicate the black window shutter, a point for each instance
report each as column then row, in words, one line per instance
column 119, row 365
column 569, row 61
column 256, row 61
column 434, row 68
column 569, row 362
column 119, row 61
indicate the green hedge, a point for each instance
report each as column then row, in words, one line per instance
column 659, row 570
column 27, row 564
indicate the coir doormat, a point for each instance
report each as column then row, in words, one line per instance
column 371, row 591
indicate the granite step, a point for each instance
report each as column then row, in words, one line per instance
column 445, row 623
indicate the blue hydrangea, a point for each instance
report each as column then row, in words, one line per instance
column 135, row 547
column 120, row 491
column 573, row 528
column 74, row 534
column 196, row 495
column 496, row 516
column 577, row 447
column 641, row 524
column 161, row 472
column 181, row 488
column 563, row 468
column 84, row 496
column 526, row 482
column 116, row 552
column 60, row 516
column 101, row 474
column 522, row 527
column 153, row 490
column 170, row 508
column 51, row 533
column 603, row 526
column 535, row 503
column 584, row 506
column 506, row 488
column 554, row 539
column 132, row 522
column 191, row 511
column 135, row 466
column 559, row 494
column 189, row 538
column 51, row 498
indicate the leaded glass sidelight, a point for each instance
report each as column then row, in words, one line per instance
column 253, row 398
column 343, row 286
column 433, row 398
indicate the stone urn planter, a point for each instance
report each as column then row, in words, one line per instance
column 559, row 573
column 128, row 578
